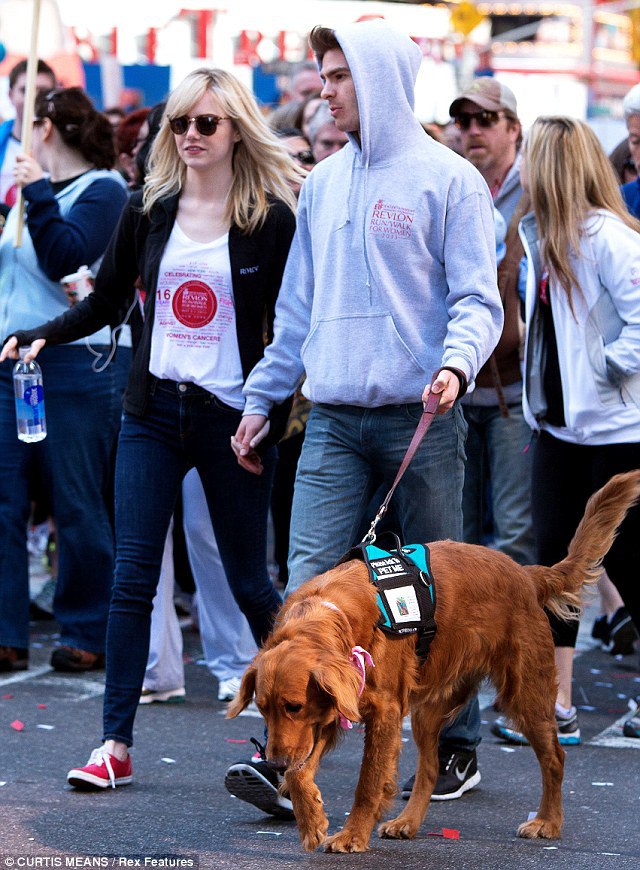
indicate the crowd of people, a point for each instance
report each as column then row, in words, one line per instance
column 275, row 298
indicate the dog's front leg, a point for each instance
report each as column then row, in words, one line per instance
column 377, row 783
column 307, row 801
column 426, row 722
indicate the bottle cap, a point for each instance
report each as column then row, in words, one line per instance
column 23, row 351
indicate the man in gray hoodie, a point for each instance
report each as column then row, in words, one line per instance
column 391, row 277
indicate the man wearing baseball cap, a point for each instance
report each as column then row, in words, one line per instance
column 491, row 135
column 486, row 114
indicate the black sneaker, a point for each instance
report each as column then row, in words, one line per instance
column 622, row 633
column 600, row 629
column 256, row 783
column 458, row 773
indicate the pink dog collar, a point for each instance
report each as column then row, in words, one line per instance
column 360, row 658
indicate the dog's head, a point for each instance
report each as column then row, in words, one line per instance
column 302, row 684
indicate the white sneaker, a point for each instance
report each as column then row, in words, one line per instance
column 228, row 689
column 170, row 696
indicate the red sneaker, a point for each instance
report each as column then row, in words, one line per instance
column 101, row 771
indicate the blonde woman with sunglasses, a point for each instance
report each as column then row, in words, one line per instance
column 582, row 356
column 209, row 236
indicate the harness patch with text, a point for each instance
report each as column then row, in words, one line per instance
column 406, row 591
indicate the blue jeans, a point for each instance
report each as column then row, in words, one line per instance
column 348, row 452
column 496, row 451
column 75, row 463
column 183, row 427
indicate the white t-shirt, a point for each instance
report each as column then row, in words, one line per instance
column 8, row 189
column 194, row 328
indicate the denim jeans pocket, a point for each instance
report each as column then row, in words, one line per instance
column 222, row 406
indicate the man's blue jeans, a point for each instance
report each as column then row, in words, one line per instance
column 497, row 451
column 75, row 464
column 183, row 427
column 348, row 453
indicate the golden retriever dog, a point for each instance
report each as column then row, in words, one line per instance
column 491, row 623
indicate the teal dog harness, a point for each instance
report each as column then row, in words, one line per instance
column 406, row 590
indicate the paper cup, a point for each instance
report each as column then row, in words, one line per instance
column 78, row 286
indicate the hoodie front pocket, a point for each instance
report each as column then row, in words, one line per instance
column 358, row 358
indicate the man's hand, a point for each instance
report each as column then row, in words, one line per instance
column 10, row 350
column 252, row 430
column 448, row 385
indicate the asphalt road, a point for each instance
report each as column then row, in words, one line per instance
column 178, row 805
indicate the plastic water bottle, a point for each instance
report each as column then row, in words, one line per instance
column 29, row 393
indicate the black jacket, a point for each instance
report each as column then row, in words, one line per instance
column 136, row 249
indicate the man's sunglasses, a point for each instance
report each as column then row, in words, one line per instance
column 305, row 157
column 485, row 119
column 206, row 125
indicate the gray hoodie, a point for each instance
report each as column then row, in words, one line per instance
column 391, row 272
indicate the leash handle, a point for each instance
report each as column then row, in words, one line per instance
column 429, row 412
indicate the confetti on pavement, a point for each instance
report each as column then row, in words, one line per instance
column 46, row 727
column 446, row 834
column 602, row 783
column 7, row 697
column 233, row 740
column 168, row 760
column 17, row 725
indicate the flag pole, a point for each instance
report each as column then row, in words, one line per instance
column 27, row 116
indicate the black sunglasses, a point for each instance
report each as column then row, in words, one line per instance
column 305, row 157
column 206, row 125
column 485, row 119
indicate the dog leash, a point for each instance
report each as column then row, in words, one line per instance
column 428, row 414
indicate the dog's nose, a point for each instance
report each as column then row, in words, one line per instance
column 277, row 764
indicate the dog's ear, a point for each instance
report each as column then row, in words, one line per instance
column 245, row 693
column 341, row 682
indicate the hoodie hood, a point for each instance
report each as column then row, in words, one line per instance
column 384, row 65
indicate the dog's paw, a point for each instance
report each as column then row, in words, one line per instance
column 397, row 829
column 541, row 828
column 312, row 839
column 345, row 841
column 314, row 832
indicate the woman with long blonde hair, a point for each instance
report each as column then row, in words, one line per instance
column 209, row 237
column 582, row 357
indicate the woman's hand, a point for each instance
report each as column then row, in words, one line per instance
column 27, row 170
column 251, row 431
column 10, row 350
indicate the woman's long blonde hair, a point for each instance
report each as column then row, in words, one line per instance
column 569, row 176
column 262, row 169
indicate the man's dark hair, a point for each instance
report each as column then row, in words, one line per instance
column 21, row 68
column 514, row 121
column 321, row 40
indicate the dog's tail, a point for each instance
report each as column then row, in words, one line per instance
column 561, row 588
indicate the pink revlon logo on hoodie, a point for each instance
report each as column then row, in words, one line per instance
column 391, row 221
